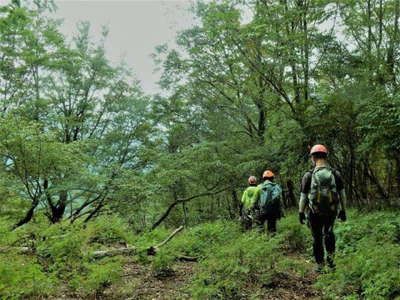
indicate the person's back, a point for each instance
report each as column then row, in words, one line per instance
column 322, row 196
column 268, row 202
column 247, row 203
column 248, row 197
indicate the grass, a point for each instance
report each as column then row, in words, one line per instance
column 231, row 264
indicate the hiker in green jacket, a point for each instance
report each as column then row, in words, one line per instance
column 247, row 203
column 322, row 199
column 268, row 203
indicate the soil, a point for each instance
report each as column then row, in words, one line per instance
column 141, row 283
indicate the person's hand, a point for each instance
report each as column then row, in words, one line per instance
column 342, row 215
column 302, row 217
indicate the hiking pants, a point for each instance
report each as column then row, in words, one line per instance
column 246, row 221
column 270, row 220
column 322, row 231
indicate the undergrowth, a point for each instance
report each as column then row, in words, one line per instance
column 231, row 264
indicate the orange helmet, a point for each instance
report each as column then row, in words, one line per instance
column 268, row 174
column 318, row 149
column 252, row 180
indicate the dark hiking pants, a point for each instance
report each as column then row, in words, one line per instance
column 324, row 237
column 246, row 221
column 270, row 220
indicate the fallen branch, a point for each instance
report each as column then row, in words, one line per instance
column 153, row 250
column 172, row 205
column 133, row 250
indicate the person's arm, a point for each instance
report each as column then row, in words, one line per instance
column 304, row 190
column 243, row 200
column 256, row 197
column 244, row 195
column 303, row 202
column 342, row 199
column 341, row 190
column 342, row 196
column 281, row 205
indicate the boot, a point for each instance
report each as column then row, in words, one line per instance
column 319, row 268
column 330, row 261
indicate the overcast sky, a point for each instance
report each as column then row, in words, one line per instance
column 136, row 27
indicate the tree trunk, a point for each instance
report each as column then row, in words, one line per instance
column 236, row 203
column 57, row 211
column 397, row 174
column 374, row 180
column 28, row 216
column 185, row 214
column 290, row 194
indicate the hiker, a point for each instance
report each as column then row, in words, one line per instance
column 268, row 203
column 247, row 203
column 322, row 197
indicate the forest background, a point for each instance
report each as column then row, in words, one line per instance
column 80, row 141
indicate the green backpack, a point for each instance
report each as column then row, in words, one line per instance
column 270, row 198
column 323, row 197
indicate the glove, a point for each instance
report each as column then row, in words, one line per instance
column 302, row 218
column 342, row 215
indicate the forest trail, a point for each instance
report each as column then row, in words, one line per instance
column 141, row 283
column 287, row 286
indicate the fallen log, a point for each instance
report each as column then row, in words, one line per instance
column 18, row 250
column 108, row 253
column 187, row 258
column 114, row 252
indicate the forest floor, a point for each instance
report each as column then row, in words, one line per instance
column 141, row 283
column 289, row 286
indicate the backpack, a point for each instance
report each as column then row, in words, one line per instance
column 323, row 197
column 270, row 202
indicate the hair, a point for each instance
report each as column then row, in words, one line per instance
column 320, row 155
column 268, row 178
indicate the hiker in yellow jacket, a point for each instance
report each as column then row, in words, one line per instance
column 247, row 203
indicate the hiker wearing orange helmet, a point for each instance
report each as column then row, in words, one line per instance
column 322, row 197
column 268, row 202
column 247, row 204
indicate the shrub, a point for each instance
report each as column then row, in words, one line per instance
column 22, row 277
column 108, row 230
column 295, row 237
column 198, row 240
column 195, row 242
column 97, row 277
column 64, row 250
column 162, row 264
column 232, row 266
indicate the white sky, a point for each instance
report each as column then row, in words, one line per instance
column 135, row 29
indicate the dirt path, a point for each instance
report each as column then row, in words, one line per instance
column 291, row 286
column 141, row 283
column 285, row 287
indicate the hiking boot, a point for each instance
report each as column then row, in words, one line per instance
column 330, row 262
column 319, row 269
